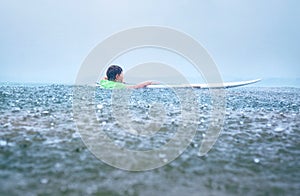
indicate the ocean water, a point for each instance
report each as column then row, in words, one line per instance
column 42, row 153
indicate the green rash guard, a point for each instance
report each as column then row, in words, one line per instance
column 107, row 84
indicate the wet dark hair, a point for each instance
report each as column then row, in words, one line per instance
column 112, row 72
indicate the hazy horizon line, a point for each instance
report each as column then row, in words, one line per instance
column 265, row 82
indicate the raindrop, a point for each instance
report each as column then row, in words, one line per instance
column 279, row 129
column 256, row 160
column 76, row 135
column 45, row 112
column 195, row 145
column 161, row 155
column 44, row 181
column 99, row 106
column 165, row 160
column 57, row 165
column 3, row 143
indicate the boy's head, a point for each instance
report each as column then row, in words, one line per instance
column 114, row 73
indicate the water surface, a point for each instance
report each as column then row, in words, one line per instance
column 257, row 153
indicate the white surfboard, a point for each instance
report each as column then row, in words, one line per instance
column 205, row 86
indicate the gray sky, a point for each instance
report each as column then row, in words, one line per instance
column 47, row 41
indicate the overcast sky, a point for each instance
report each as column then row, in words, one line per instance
column 48, row 40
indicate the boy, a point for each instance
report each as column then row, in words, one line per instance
column 114, row 79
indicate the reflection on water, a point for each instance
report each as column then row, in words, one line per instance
column 257, row 152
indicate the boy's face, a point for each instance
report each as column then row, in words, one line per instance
column 120, row 77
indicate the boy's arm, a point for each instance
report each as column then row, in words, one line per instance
column 141, row 85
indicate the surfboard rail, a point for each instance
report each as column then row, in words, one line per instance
column 206, row 86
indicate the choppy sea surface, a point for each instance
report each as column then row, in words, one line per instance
column 42, row 153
